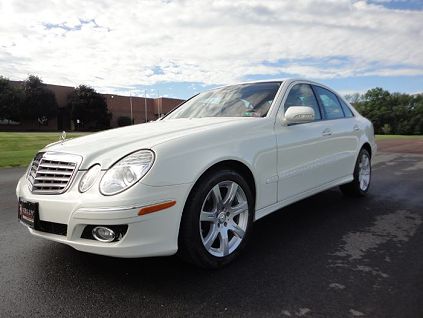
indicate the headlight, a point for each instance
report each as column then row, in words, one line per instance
column 126, row 172
column 89, row 178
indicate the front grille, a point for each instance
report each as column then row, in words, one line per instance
column 52, row 172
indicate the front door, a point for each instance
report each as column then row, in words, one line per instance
column 303, row 149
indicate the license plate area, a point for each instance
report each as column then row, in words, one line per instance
column 28, row 213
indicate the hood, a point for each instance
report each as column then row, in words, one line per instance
column 109, row 146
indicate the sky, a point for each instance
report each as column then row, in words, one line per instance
column 179, row 48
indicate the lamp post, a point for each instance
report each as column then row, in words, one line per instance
column 111, row 101
column 130, row 102
column 145, row 105
column 159, row 106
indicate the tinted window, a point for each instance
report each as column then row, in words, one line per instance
column 245, row 100
column 302, row 95
column 330, row 103
column 347, row 111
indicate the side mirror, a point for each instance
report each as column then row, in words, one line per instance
column 299, row 115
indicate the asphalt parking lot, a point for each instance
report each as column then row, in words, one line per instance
column 326, row 256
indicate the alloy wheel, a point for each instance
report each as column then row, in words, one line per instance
column 224, row 218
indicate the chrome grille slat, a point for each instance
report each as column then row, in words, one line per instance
column 48, row 187
column 56, row 166
column 50, row 180
column 52, row 173
column 48, row 191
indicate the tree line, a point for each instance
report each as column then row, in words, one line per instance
column 391, row 113
column 34, row 102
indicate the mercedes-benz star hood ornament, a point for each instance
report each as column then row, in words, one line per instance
column 63, row 137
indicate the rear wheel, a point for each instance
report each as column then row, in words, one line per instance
column 217, row 220
column 362, row 176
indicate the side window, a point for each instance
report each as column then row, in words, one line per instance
column 347, row 111
column 302, row 95
column 330, row 103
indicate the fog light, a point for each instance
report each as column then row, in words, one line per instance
column 103, row 234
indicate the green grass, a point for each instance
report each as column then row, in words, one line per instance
column 17, row 149
column 393, row 137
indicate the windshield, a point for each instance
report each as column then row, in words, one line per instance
column 244, row 100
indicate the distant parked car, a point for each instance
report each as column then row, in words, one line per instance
column 195, row 181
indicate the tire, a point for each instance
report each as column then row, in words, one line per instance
column 362, row 176
column 218, row 237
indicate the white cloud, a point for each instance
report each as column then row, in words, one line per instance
column 119, row 44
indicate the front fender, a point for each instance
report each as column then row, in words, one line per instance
column 184, row 160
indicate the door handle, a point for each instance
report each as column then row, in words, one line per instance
column 327, row 132
column 356, row 128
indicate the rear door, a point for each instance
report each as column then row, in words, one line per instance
column 341, row 130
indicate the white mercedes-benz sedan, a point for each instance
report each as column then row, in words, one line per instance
column 195, row 181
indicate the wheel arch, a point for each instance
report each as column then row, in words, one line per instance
column 233, row 164
column 367, row 146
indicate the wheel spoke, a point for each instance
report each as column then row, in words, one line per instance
column 364, row 162
column 236, row 230
column 224, row 243
column 207, row 216
column 230, row 196
column 217, row 196
column 211, row 237
column 364, row 184
column 236, row 210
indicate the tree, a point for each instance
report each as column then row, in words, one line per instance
column 392, row 112
column 11, row 99
column 416, row 120
column 353, row 98
column 40, row 103
column 89, row 108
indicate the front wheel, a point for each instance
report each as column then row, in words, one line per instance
column 362, row 176
column 217, row 220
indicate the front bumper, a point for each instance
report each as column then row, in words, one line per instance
column 148, row 235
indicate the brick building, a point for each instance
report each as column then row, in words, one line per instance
column 143, row 110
